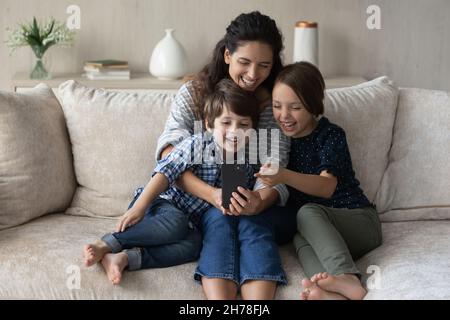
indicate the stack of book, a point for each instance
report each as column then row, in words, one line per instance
column 107, row 70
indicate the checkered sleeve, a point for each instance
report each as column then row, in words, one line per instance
column 180, row 123
column 181, row 158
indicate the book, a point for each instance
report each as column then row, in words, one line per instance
column 111, row 63
column 107, row 71
column 107, row 77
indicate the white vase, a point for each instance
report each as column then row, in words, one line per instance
column 168, row 60
column 306, row 42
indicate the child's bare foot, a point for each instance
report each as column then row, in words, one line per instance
column 114, row 263
column 313, row 292
column 94, row 252
column 347, row 285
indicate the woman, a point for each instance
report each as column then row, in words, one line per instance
column 249, row 54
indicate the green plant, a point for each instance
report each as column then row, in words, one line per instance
column 39, row 36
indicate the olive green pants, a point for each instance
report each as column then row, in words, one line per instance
column 329, row 239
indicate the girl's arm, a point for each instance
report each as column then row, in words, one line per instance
column 157, row 185
column 322, row 185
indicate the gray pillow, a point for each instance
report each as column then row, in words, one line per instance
column 36, row 171
column 114, row 136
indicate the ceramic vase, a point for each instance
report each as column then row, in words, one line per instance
column 168, row 60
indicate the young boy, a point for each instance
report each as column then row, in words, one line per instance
column 160, row 228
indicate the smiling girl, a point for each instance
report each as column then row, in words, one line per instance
column 336, row 222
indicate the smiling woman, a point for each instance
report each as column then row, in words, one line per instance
column 249, row 54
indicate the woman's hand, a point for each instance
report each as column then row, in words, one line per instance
column 250, row 205
column 269, row 176
column 131, row 217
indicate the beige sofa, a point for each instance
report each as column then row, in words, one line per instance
column 68, row 169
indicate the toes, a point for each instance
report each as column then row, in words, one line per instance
column 315, row 277
column 306, row 283
column 303, row 296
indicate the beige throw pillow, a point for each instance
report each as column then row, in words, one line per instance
column 113, row 136
column 36, row 172
column 416, row 184
column 366, row 112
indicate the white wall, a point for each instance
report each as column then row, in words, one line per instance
column 411, row 47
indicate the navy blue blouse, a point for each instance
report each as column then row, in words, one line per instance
column 326, row 149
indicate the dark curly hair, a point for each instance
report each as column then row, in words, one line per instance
column 252, row 26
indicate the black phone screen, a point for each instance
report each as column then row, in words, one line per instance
column 233, row 176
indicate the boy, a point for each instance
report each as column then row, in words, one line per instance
column 160, row 228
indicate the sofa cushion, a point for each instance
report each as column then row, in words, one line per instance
column 419, row 168
column 113, row 136
column 366, row 112
column 41, row 260
column 36, row 172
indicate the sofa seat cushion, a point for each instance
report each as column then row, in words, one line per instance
column 36, row 172
column 42, row 259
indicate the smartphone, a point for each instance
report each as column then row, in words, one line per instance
column 233, row 176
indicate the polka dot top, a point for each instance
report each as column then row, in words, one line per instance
column 326, row 149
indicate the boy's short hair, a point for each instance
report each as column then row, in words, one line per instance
column 227, row 94
column 307, row 82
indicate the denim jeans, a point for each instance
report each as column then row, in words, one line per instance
column 163, row 238
column 238, row 248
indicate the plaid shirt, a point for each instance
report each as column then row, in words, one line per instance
column 180, row 125
column 190, row 155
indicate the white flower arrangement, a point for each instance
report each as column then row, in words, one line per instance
column 40, row 36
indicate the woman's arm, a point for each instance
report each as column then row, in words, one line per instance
column 181, row 120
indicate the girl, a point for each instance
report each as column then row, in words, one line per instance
column 336, row 222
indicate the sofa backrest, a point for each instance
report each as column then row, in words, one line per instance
column 114, row 134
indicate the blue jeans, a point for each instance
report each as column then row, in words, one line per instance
column 238, row 249
column 163, row 238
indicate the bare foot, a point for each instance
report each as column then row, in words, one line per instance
column 313, row 292
column 93, row 253
column 114, row 263
column 347, row 285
